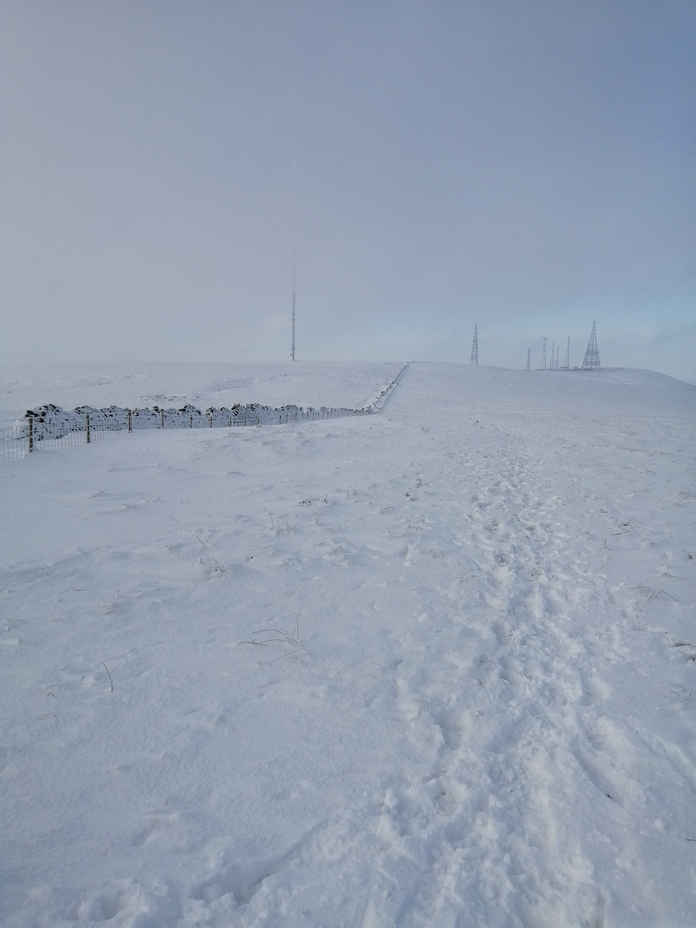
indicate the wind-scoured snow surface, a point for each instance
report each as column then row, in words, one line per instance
column 430, row 667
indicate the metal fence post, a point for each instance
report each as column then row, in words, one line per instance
column 31, row 434
column 89, row 437
column 130, row 421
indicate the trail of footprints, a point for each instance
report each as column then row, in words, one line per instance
column 475, row 803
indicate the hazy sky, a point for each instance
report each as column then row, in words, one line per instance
column 529, row 167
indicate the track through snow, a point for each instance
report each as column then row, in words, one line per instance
column 433, row 667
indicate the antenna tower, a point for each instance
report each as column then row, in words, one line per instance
column 558, row 351
column 294, row 248
column 474, row 347
column 553, row 355
column 529, row 359
column 591, row 359
column 292, row 350
column 543, row 356
column 566, row 366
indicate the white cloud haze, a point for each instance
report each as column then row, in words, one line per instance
column 527, row 168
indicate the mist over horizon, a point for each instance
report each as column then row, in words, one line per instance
column 171, row 171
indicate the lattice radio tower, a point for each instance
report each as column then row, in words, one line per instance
column 529, row 360
column 474, row 347
column 566, row 366
column 591, row 359
column 543, row 356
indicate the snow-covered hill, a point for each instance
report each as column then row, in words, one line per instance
column 431, row 667
column 303, row 383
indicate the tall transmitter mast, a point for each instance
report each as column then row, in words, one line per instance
column 292, row 350
column 294, row 263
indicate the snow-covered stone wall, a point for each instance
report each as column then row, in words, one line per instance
column 52, row 422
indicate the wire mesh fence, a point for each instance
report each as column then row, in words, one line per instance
column 18, row 440
column 51, row 427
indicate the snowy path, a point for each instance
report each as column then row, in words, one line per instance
column 524, row 725
column 475, row 707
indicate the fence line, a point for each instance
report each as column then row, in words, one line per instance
column 50, row 427
column 16, row 441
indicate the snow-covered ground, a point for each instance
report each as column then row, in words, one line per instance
column 430, row 667
column 303, row 383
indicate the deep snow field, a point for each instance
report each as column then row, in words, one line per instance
column 434, row 666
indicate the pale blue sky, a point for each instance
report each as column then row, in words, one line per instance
column 527, row 167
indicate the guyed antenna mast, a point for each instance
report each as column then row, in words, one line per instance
column 292, row 350
column 294, row 254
